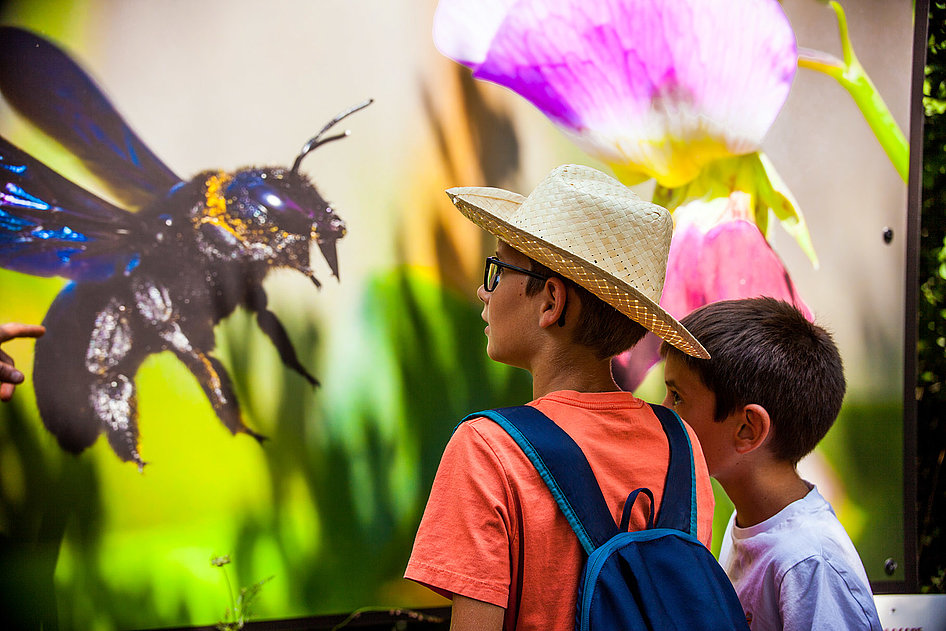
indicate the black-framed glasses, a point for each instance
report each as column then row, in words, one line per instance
column 494, row 268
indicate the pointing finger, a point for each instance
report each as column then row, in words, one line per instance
column 12, row 330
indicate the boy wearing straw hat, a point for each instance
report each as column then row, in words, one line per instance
column 576, row 279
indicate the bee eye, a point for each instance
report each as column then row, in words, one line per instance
column 263, row 203
column 267, row 196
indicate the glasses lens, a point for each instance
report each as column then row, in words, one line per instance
column 492, row 275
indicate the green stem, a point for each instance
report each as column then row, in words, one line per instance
column 822, row 62
column 233, row 608
column 851, row 75
column 847, row 49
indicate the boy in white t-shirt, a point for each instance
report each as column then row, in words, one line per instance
column 770, row 392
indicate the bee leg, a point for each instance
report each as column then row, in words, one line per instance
column 187, row 338
column 114, row 399
column 217, row 386
column 84, row 371
column 273, row 328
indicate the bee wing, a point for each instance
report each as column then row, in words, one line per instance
column 44, row 85
column 50, row 226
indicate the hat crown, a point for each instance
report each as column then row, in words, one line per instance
column 596, row 218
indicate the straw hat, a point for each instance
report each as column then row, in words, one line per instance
column 592, row 229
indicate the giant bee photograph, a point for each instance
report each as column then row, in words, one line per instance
column 147, row 281
column 261, row 330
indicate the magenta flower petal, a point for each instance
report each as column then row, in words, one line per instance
column 657, row 88
column 741, row 264
column 729, row 259
column 464, row 30
column 684, row 285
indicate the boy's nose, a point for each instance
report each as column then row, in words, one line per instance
column 482, row 294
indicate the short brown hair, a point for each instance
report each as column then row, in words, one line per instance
column 765, row 351
column 601, row 327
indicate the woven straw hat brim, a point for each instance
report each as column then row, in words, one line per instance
column 490, row 209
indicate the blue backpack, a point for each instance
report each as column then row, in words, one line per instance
column 661, row 578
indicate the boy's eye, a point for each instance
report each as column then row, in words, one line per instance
column 674, row 398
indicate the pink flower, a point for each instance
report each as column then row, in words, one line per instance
column 719, row 254
column 654, row 88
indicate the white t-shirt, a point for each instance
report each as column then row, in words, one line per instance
column 799, row 570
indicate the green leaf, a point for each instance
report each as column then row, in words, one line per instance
column 775, row 195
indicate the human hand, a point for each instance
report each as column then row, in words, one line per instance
column 9, row 375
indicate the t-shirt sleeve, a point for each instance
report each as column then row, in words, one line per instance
column 814, row 595
column 463, row 541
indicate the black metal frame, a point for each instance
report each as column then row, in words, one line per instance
column 910, row 582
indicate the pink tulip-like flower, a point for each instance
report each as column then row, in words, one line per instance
column 718, row 253
column 653, row 88
column 713, row 256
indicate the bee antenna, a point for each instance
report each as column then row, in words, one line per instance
column 317, row 141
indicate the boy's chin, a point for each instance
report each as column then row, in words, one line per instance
column 498, row 356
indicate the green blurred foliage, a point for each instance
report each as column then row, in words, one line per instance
column 328, row 505
column 931, row 360
column 864, row 451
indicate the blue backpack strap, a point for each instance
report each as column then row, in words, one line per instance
column 678, row 506
column 564, row 469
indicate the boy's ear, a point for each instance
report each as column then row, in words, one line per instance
column 554, row 299
column 753, row 428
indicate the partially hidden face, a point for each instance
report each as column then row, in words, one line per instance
column 696, row 404
column 511, row 316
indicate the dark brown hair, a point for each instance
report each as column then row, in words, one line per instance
column 601, row 327
column 764, row 351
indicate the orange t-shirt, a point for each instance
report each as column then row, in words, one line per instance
column 492, row 531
